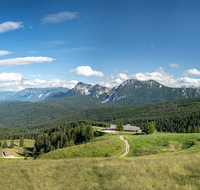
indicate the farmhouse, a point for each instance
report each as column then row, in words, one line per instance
column 6, row 153
column 127, row 128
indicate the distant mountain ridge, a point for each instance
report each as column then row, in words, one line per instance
column 30, row 94
column 130, row 92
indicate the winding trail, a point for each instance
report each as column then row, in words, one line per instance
column 127, row 147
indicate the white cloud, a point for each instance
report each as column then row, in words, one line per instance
column 33, row 52
column 7, row 26
column 11, row 77
column 159, row 76
column 191, row 72
column 3, row 52
column 60, row 17
column 86, row 71
column 24, row 61
column 112, row 77
column 166, row 79
column 16, row 82
column 116, row 70
column 38, row 83
column 173, row 64
column 125, row 71
column 35, row 75
column 123, row 76
column 110, row 83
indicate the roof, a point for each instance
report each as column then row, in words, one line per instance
column 127, row 127
column 113, row 127
column 7, row 153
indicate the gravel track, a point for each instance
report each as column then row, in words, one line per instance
column 127, row 146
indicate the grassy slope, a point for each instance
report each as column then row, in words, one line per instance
column 178, row 170
column 148, row 172
column 18, row 151
column 98, row 147
column 154, row 144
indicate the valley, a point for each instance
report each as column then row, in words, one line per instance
column 65, row 145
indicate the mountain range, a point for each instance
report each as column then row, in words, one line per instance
column 130, row 92
column 70, row 105
column 30, row 94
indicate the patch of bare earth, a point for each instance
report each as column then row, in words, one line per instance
column 175, row 146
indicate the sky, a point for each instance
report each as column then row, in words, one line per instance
column 54, row 43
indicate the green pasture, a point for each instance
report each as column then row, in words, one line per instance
column 18, row 151
column 158, row 143
column 98, row 147
column 147, row 172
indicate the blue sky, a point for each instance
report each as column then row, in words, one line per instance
column 49, row 43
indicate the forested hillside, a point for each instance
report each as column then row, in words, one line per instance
column 64, row 135
column 174, row 116
column 30, row 115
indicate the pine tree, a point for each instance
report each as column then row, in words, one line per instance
column 34, row 151
column 121, row 126
column 5, row 144
column 118, row 126
column 58, row 144
column 25, row 152
column 189, row 129
column 150, row 127
column 21, row 141
column 89, row 133
column 12, row 143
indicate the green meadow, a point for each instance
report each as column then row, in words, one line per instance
column 18, row 151
column 160, row 143
column 159, row 161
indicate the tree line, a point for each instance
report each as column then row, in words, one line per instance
column 62, row 136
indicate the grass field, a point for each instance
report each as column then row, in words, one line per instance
column 163, row 143
column 18, row 151
column 147, row 172
column 98, row 147
column 165, row 169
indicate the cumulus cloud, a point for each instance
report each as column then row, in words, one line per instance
column 166, row 79
column 59, row 17
column 191, row 72
column 173, row 64
column 3, row 52
column 16, row 82
column 86, row 71
column 110, row 83
column 10, row 77
column 38, row 83
column 7, row 26
column 24, row 61
column 123, row 76
column 35, row 75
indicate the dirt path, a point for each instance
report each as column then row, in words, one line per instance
column 127, row 146
column 11, row 157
